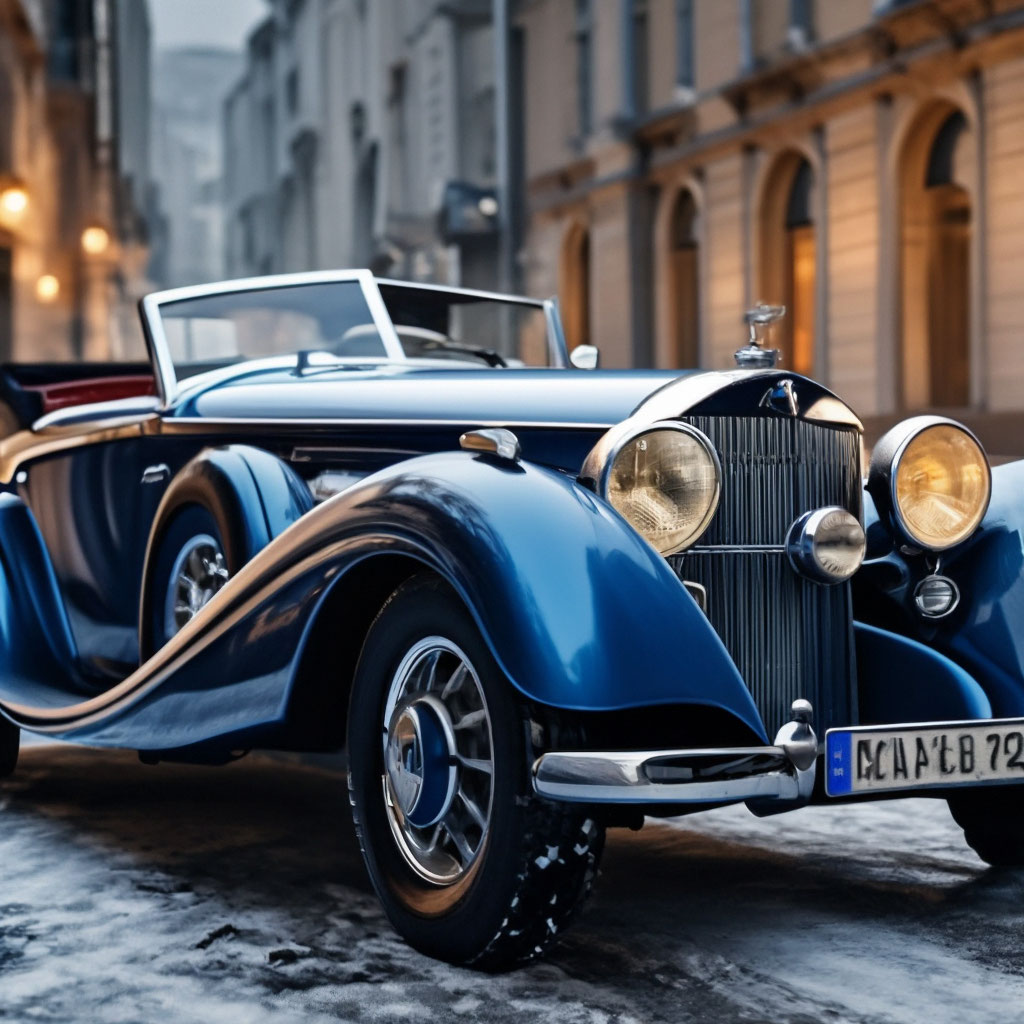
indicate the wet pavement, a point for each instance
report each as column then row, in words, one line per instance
column 169, row 893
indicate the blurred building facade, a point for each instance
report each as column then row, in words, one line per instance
column 362, row 134
column 862, row 162
column 189, row 85
column 75, row 194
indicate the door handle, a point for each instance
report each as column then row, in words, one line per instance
column 155, row 474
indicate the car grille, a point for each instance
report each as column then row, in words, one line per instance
column 789, row 637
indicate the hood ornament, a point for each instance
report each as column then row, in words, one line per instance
column 755, row 356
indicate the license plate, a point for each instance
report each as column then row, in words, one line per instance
column 936, row 754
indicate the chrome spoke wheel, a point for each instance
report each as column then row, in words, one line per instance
column 438, row 761
column 199, row 571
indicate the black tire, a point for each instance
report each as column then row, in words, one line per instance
column 536, row 861
column 993, row 823
column 189, row 522
column 10, row 744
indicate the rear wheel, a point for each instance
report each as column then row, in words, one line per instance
column 993, row 823
column 10, row 744
column 470, row 865
column 189, row 568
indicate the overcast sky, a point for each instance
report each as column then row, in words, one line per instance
column 222, row 23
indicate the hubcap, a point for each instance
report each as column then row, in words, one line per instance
column 438, row 761
column 198, row 573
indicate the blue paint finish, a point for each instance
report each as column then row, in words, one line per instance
column 984, row 636
column 579, row 611
column 39, row 657
column 901, row 680
column 987, row 634
column 839, row 763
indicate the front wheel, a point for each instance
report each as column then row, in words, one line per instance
column 470, row 866
column 993, row 822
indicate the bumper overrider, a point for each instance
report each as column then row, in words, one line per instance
column 784, row 772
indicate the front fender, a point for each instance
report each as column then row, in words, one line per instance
column 579, row 611
column 984, row 635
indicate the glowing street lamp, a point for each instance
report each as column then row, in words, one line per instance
column 95, row 240
column 47, row 288
column 13, row 197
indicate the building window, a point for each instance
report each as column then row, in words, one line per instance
column 685, row 282
column 935, row 268
column 575, row 287
column 684, row 46
column 789, row 256
column 639, row 56
column 801, row 24
column 584, row 67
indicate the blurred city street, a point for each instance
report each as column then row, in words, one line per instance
column 133, row 893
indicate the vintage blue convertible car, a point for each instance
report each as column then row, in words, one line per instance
column 531, row 599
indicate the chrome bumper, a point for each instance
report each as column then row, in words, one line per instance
column 784, row 772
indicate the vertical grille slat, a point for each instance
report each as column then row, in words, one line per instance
column 789, row 637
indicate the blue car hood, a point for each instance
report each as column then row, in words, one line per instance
column 539, row 397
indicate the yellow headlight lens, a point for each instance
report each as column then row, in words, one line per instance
column 666, row 484
column 942, row 486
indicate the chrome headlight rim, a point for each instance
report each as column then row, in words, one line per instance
column 598, row 465
column 885, row 463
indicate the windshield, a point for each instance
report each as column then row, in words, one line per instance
column 330, row 324
column 216, row 330
column 439, row 324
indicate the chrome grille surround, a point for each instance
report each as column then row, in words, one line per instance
column 788, row 636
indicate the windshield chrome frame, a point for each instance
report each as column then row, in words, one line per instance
column 160, row 352
column 156, row 339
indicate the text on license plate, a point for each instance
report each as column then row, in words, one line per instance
column 957, row 754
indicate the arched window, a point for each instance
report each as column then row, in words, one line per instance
column 685, row 283
column 935, row 233
column 575, row 287
column 788, row 257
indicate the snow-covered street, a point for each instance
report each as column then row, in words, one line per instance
column 140, row 894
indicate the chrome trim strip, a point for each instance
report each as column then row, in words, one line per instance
column 679, row 396
column 622, row 777
column 382, row 319
column 83, row 415
column 170, row 424
column 735, row 549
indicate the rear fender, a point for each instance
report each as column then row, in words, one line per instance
column 252, row 495
column 38, row 657
column 578, row 610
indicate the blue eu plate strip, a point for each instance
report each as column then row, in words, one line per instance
column 838, row 763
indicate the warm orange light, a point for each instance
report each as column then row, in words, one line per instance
column 47, row 288
column 95, row 240
column 13, row 200
column 942, row 486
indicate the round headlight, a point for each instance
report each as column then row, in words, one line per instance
column 939, row 481
column 665, row 481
